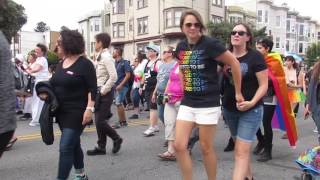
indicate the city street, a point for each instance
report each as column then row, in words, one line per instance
column 31, row 159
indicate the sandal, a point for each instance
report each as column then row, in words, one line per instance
column 167, row 156
column 11, row 142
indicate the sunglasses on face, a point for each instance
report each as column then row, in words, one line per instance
column 167, row 52
column 196, row 25
column 240, row 33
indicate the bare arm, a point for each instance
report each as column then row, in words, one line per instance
column 36, row 68
column 229, row 59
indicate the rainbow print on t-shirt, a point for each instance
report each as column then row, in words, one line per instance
column 191, row 64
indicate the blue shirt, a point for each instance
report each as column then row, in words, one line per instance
column 122, row 67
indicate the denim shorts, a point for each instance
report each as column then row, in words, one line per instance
column 120, row 95
column 244, row 125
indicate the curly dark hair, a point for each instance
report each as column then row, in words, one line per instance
column 72, row 42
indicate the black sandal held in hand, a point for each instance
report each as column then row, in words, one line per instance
column 11, row 142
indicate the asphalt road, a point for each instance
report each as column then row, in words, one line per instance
column 31, row 159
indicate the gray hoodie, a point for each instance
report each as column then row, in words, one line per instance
column 7, row 95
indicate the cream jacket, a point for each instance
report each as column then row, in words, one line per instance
column 106, row 72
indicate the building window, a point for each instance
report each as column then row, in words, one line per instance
column 319, row 36
column 288, row 25
column 300, row 47
column 142, row 47
column 301, row 30
column 216, row 19
column 131, row 25
column 168, row 18
column 259, row 15
column 172, row 17
column 107, row 19
column 287, row 45
column 266, row 16
column 177, row 15
column 92, row 46
column 118, row 7
column 142, row 3
column 143, row 25
column 96, row 26
column 217, row 2
column 118, row 30
column 130, row 3
column 91, row 27
column 277, row 42
column 278, row 20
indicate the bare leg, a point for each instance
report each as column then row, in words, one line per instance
column 242, row 160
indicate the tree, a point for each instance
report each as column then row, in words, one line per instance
column 41, row 27
column 12, row 18
column 313, row 54
column 52, row 58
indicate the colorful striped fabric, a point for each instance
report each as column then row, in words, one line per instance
column 284, row 117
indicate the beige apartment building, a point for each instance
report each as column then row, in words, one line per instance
column 136, row 23
column 237, row 14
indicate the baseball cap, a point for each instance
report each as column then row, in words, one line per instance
column 153, row 47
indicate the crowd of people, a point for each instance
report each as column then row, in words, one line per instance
column 187, row 87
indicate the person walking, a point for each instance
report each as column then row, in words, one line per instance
column 198, row 56
column 121, row 86
column 106, row 78
column 7, row 97
column 75, row 85
column 244, row 118
column 39, row 69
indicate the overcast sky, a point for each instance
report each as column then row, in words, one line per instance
column 57, row 13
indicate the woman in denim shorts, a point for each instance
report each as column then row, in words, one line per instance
column 244, row 118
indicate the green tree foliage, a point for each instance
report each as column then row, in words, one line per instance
column 12, row 18
column 52, row 58
column 41, row 27
column 313, row 54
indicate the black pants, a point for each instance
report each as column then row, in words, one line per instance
column 266, row 139
column 102, row 116
column 4, row 140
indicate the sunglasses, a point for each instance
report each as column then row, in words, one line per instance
column 167, row 52
column 196, row 25
column 240, row 33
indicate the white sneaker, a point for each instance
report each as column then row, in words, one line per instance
column 156, row 128
column 315, row 130
column 33, row 124
column 149, row 132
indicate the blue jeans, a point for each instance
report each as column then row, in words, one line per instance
column 244, row 125
column 120, row 95
column 135, row 97
column 160, row 108
column 70, row 152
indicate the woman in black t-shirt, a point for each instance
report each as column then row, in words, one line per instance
column 244, row 118
column 74, row 84
column 198, row 57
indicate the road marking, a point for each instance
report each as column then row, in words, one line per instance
column 88, row 129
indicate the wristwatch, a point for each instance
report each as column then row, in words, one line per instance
column 90, row 108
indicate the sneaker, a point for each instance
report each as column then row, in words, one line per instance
column 117, row 145
column 96, row 151
column 26, row 116
column 150, row 131
column 34, row 124
column 315, row 130
column 123, row 123
column 19, row 112
column 134, row 116
column 116, row 125
column 80, row 177
column 156, row 128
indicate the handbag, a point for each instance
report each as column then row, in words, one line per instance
column 31, row 80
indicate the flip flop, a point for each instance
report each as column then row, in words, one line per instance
column 11, row 142
column 167, row 156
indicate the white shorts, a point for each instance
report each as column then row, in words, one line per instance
column 204, row 116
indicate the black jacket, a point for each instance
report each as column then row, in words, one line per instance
column 48, row 111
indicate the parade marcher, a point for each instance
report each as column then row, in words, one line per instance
column 149, row 84
column 172, row 99
column 121, row 86
column 39, row 69
column 313, row 101
column 106, row 78
column 7, row 96
column 139, row 63
column 244, row 118
column 198, row 56
column 164, row 70
column 75, row 86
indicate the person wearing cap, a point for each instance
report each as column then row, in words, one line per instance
column 149, row 85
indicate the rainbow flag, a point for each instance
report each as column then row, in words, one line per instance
column 283, row 117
